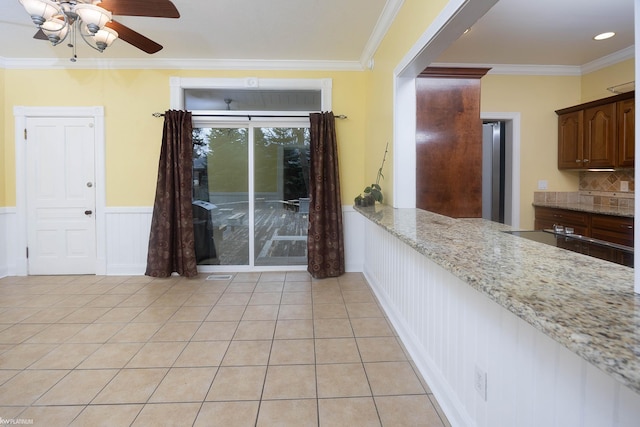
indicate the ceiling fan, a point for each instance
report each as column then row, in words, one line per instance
column 58, row 20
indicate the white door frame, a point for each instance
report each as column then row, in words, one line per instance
column 21, row 114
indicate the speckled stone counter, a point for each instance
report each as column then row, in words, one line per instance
column 583, row 207
column 586, row 304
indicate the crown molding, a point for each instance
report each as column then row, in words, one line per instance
column 550, row 70
column 294, row 65
column 611, row 59
column 179, row 64
column 518, row 69
column 388, row 15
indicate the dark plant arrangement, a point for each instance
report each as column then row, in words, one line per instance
column 373, row 193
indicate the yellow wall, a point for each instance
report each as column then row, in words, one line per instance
column 412, row 20
column 595, row 84
column 133, row 136
column 536, row 98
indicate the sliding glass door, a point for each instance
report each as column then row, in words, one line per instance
column 250, row 194
column 221, row 195
column 281, row 208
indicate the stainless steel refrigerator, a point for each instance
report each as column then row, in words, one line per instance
column 493, row 171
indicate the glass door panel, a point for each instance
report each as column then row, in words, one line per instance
column 221, row 195
column 281, row 195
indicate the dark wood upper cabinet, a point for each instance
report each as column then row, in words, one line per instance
column 449, row 141
column 570, row 147
column 626, row 133
column 598, row 134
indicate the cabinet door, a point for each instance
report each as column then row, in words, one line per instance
column 626, row 133
column 600, row 136
column 570, row 138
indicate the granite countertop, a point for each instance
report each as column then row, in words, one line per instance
column 584, row 207
column 584, row 303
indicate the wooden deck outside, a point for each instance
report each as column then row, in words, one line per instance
column 280, row 236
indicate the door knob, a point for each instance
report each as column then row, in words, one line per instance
column 88, row 212
column 89, row 184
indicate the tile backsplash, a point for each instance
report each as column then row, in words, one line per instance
column 596, row 188
column 606, row 181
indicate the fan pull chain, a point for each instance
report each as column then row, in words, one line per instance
column 72, row 44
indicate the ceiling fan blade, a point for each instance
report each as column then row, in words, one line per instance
column 134, row 38
column 152, row 8
column 40, row 35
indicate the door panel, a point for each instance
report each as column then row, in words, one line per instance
column 61, row 196
column 281, row 196
column 221, row 195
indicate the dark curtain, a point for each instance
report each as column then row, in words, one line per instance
column 325, row 241
column 171, row 242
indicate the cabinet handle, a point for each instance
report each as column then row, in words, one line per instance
column 630, row 227
column 586, row 160
column 578, row 161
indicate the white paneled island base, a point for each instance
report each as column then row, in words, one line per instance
column 462, row 339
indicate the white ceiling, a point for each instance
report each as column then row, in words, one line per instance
column 545, row 32
column 541, row 32
column 309, row 30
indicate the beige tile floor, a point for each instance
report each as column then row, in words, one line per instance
column 262, row 349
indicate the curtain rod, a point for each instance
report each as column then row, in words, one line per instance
column 249, row 116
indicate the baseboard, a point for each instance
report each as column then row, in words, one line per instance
column 126, row 270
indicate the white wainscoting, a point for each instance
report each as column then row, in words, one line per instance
column 127, row 237
column 127, row 240
column 450, row 329
column 353, row 229
column 7, row 231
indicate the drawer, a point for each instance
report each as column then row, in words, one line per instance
column 547, row 217
column 614, row 229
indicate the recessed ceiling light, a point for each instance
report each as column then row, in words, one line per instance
column 604, row 36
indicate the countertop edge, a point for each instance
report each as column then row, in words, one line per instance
column 594, row 209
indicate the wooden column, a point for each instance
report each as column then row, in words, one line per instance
column 449, row 141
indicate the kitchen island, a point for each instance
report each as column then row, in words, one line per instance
column 507, row 331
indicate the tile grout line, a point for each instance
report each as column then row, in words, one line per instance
column 362, row 361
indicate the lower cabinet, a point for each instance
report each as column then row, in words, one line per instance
column 610, row 228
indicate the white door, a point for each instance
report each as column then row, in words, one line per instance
column 61, row 226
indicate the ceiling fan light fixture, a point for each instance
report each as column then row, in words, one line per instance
column 604, row 36
column 55, row 29
column 41, row 10
column 104, row 38
column 93, row 16
column 59, row 20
